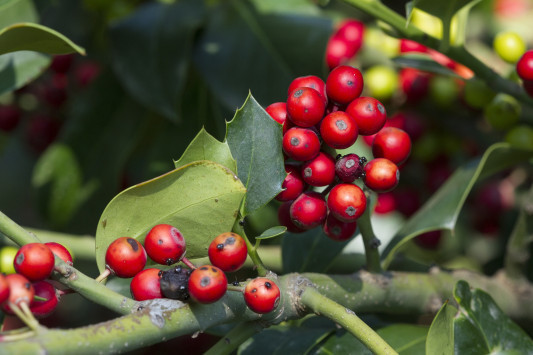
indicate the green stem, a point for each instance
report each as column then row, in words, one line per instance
column 324, row 306
column 370, row 241
column 15, row 232
column 238, row 335
column 252, row 251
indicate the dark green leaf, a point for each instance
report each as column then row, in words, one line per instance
column 258, row 48
column 35, row 37
column 272, row 232
column 424, row 63
column 440, row 339
column 255, row 142
column 206, row 147
column 201, row 199
column 311, row 251
column 442, row 209
column 151, row 51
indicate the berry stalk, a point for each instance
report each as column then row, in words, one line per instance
column 370, row 241
column 238, row 228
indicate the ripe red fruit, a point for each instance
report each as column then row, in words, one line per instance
column 385, row 203
column 278, row 112
column 46, row 290
column 350, row 167
column 61, row 63
column 344, row 84
column 9, row 118
column 407, row 45
column 369, row 115
column 293, row 184
column 414, row 84
column 309, row 210
column 207, row 284
column 320, row 171
column 261, row 295
column 338, row 52
column 284, row 218
column 381, row 175
column 305, row 107
column 20, row 291
column 339, row 130
column 393, row 144
column 301, row 144
column 352, row 32
column 309, row 81
column 60, row 251
column 41, row 131
column 4, row 289
column 228, row 251
column 338, row 230
column 146, row 285
column 35, row 261
column 165, row 244
column 86, row 72
column 125, row 257
column 524, row 66
column 347, row 202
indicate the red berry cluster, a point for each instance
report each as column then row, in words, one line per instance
column 344, row 43
column 319, row 117
column 33, row 263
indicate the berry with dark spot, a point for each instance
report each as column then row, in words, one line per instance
column 347, row 202
column 350, row 167
column 369, row 115
column 301, row 144
column 125, row 257
column 305, row 107
column 381, row 175
column 344, row 84
column 174, row 283
column 309, row 210
column 309, row 81
column 261, row 295
column 207, row 284
column 228, row 251
column 320, row 171
column 165, row 244
column 35, row 261
column 284, row 218
column 339, row 130
column 146, row 285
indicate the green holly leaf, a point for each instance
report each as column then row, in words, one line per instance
column 422, row 62
column 272, row 232
column 201, row 199
column 254, row 139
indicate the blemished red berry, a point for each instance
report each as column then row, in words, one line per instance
column 35, row 261
column 524, row 66
column 228, row 251
column 309, row 81
column 339, row 130
column 261, row 295
column 309, row 210
column 60, row 251
column 393, row 144
column 349, row 167
column 305, row 107
column 9, row 117
column 381, row 175
column 278, row 112
column 46, row 290
column 369, row 114
column 207, row 284
column 344, row 84
column 146, row 285
column 165, row 244
column 293, row 184
column 320, row 171
column 301, row 144
column 284, row 218
column 4, row 288
column 20, row 291
column 346, row 202
column 338, row 230
column 125, row 257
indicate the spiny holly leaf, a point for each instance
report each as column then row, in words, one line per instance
column 35, row 37
column 205, row 147
column 254, row 139
column 442, row 209
column 201, row 199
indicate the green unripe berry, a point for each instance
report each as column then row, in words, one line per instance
column 381, row 81
column 443, row 90
column 477, row 94
column 503, row 112
column 509, row 46
column 521, row 137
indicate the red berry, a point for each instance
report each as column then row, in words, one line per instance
column 261, row 295
column 60, row 251
column 347, row 202
column 381, row 175
column 414, row 84
column 349, row 167
column 207, row 284
column 86, row 72
column 407, row 201
column 46, row 290
column 338, row 52
column 406, row 46
column 165, row 244
column 228, row 251
column 125, row 257
column 524, row 66
column 9, row 118
column 301, row 144
column 344, row 84
column 385, row 203
column 62, row 63
column 293, row 184
column 146, row 285
column 352, row 32
column 20, row 291
column 35, row 261
column 284, row 218
column 320, row 171
column 309, row 81
column 278, row 112
column 4, row 288
column 393, row 144
column 369, row 115
column 308, row 210
column 305, row 107
column 338, row 230
column 339, row 130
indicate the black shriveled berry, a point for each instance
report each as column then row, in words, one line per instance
column 174, row 283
